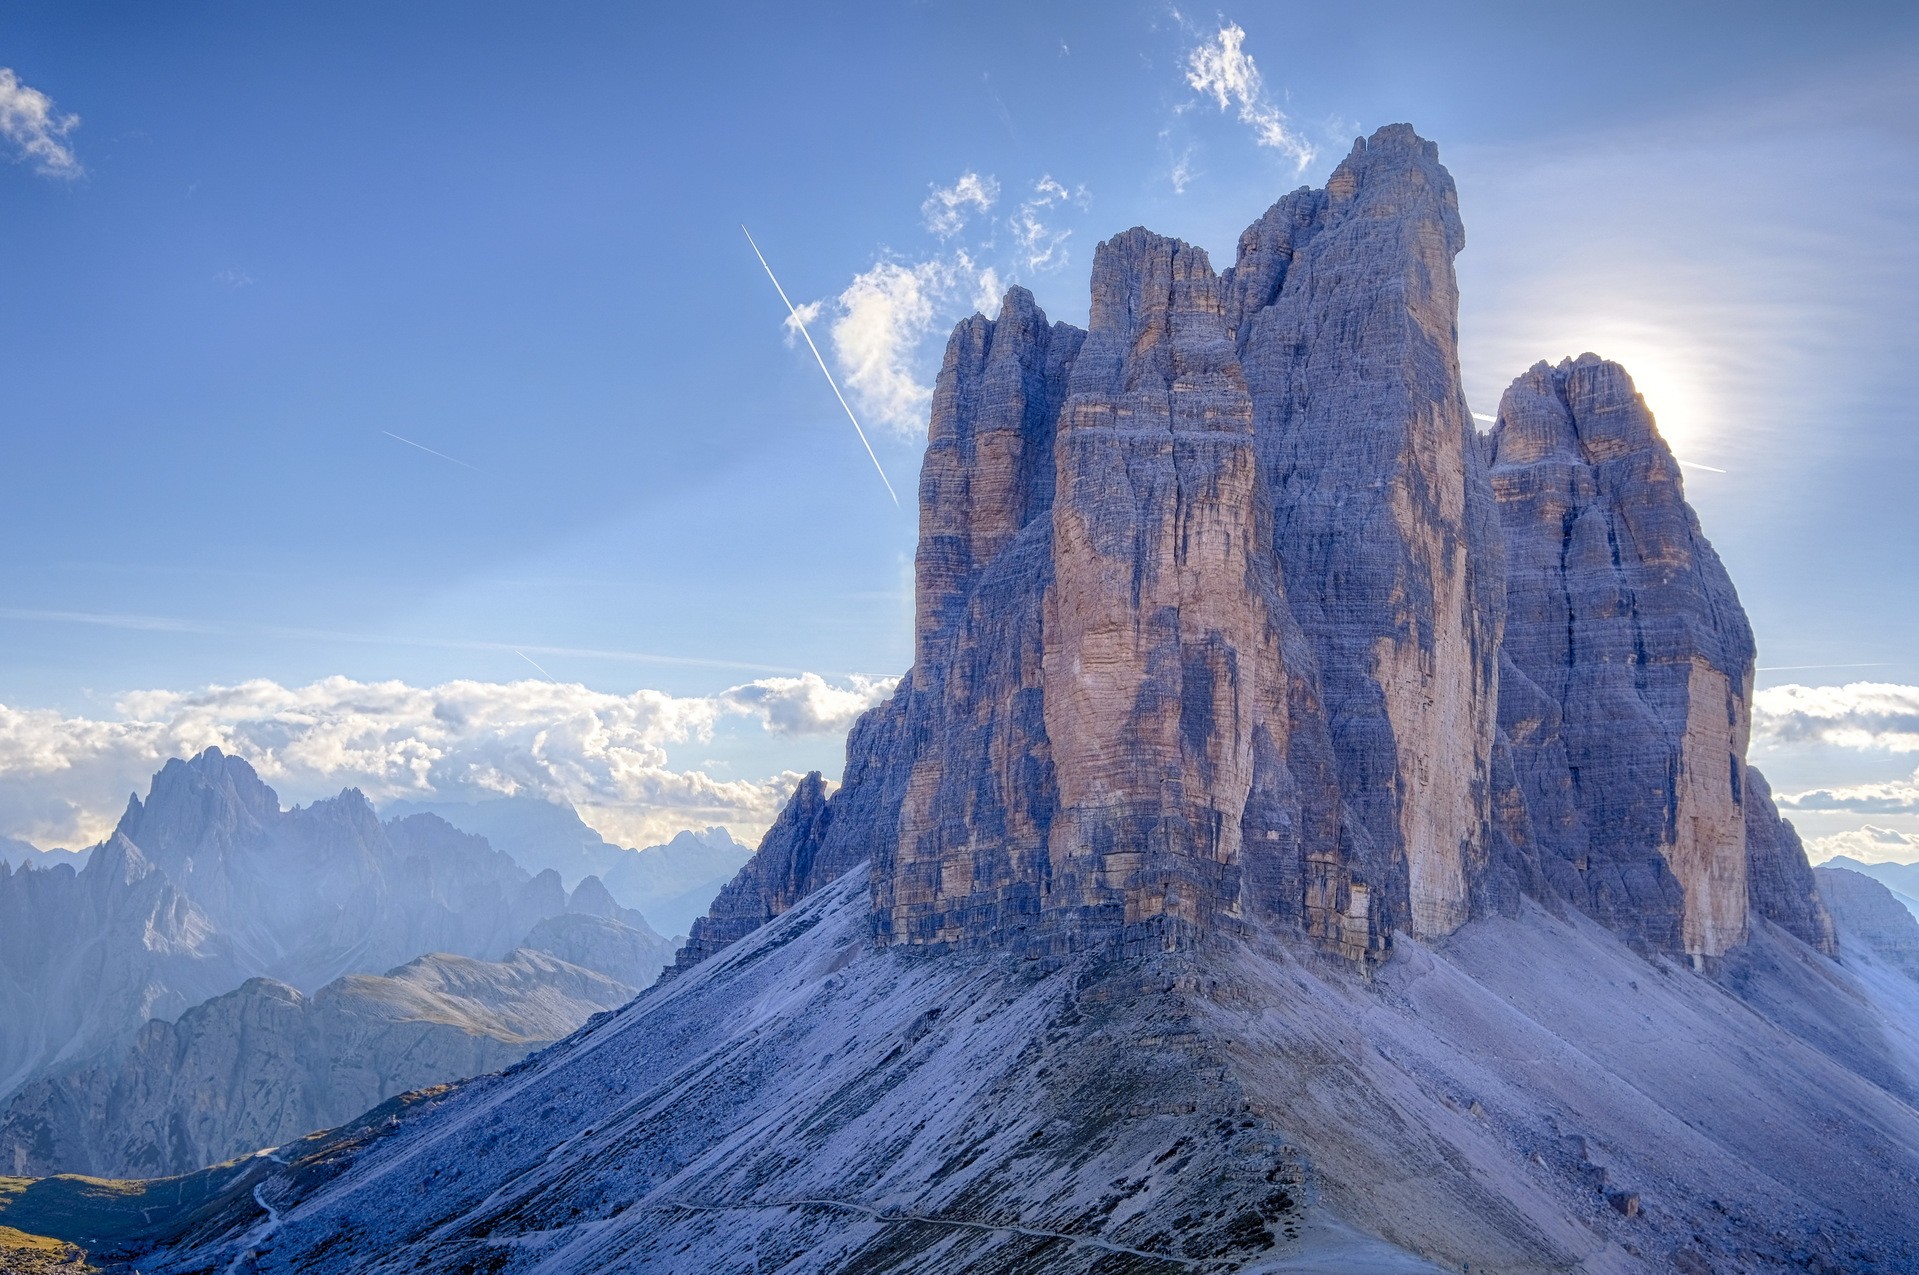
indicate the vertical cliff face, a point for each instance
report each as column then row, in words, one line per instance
column 1344, row 309
column 1161, row 662
column 1628, row 702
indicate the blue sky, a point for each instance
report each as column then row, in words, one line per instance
column 510, row 234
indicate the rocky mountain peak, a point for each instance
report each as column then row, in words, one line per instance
column 211, row 801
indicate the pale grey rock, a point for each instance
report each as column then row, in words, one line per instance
column 263, row 1065
column 1209, row 684
column 1901, row 878
column 808, row 1099
column 1779, row 879
column 625, row 953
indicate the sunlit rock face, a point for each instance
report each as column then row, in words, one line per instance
column 1628, row 694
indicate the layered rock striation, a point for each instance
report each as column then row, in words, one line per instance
column 1241, row 665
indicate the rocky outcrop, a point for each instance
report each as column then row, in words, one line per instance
column 1213, row 678
column 1627, row 695
column 262, row 1065
column 1779, row 880
column 1223, row 619
column 1098, row 706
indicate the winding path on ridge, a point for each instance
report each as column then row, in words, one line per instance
column 888, row 1215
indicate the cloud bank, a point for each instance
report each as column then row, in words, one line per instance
column 64, row 780
column 1866, row 715
column 1869, row 844
column 35, row 129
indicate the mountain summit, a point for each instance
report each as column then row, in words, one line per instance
column 1313, row 836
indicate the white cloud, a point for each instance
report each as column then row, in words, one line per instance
column 886, row 314
column 63, row 780
column 1869, row 844
column 807, row 704
column 945, row 210
column 1223, row 70
column 1182, row 171
column 1865, row 715
column 1898, row 796
column 36, row 129
column 807, row 314
column 1040, row 245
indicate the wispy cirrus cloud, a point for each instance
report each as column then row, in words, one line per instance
column 36, row 131
column 1042, row 245
column 946, row 210
column 65, row 778
column 1220, row 68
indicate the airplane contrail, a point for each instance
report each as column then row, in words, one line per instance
column 1481, row 416
column 801, row 325
column 1693, row 464
column 423, row 447
column 536, row 664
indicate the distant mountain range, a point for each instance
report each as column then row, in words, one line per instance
column 221, row 974
column 16, row 853
column 671, row 884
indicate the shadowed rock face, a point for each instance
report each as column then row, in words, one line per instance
column 1628, row 686
column 1209, row 672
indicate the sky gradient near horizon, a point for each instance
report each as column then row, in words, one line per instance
column 390, row 391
